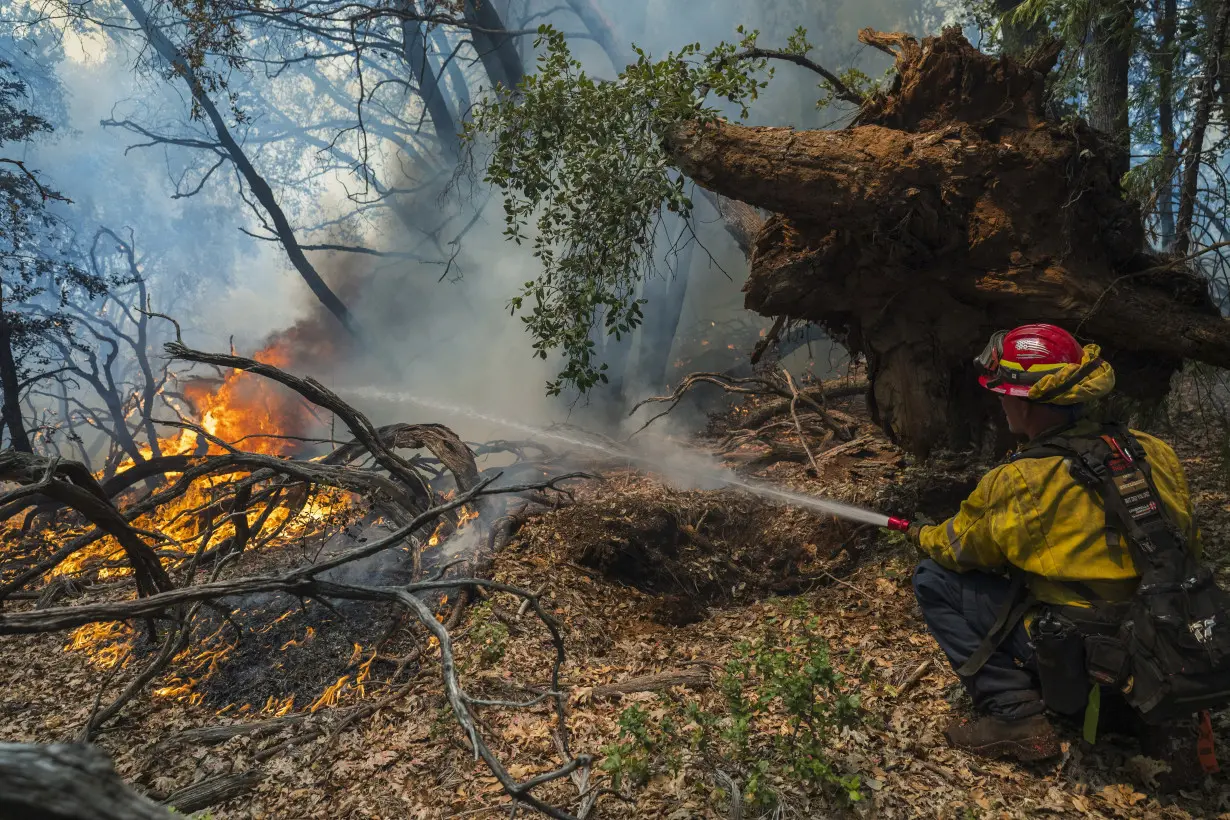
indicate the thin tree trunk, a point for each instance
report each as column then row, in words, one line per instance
column 600, row 26
column 414, row 52
column 149, row 388
column 1107, row 55
column 66, row 413
column 1200, row 123
column 665, row 297
column 260, row 188
column 11, row 389
column 498, row 52
column 1165, row 63
column 456, row 77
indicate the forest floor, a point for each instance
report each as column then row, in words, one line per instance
column 761, row 650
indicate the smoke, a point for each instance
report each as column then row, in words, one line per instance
column 438, row 330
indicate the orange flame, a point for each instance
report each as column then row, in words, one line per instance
column 253, row 413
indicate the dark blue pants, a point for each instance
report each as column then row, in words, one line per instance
column 960, row 608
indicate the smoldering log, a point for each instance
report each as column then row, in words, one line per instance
column 951, row 208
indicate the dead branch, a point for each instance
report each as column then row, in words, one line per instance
column 794, row 399
column 213, row 735
column 212, row 791
column 407, row 597
column 262, row 467
column 733, row 792
column 174, row 643
column 442, row 442
column 67, row 782
column 747, row 386
column 914, row 677
column 819, row 393
column 316, row 393
column 690, row 678
column 300, row 582
column 773, row 385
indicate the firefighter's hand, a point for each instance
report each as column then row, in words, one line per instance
column 914, row 533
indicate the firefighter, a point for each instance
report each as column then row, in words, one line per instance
column 1031, row 541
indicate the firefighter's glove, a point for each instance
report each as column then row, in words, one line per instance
column 914, row 533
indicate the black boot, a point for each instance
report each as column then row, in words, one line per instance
column 1026, row 739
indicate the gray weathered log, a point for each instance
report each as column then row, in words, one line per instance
column 67, row 782
column 212, row 791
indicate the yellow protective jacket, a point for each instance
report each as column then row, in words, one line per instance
column 1031, row 514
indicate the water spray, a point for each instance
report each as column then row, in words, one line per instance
column 719, row 475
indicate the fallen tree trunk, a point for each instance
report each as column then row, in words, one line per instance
column 67, row 782
column 950, row 209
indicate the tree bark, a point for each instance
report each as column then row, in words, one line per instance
column 905, row 236
column 1017, row 39
column 67, row 782
column 1107, row 55
column 1200, row 123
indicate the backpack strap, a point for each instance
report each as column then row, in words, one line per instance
column 1130, row 496
column 1014, row 608
column 1072, row 449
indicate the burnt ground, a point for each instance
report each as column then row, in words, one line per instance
column 647, row 580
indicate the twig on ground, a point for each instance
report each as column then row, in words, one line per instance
column 914, row 677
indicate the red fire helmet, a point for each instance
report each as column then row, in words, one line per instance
column 1015, row 360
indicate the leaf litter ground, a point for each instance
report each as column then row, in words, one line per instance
column 654, row 586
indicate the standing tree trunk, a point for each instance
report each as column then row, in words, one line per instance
column 414, row 52
column 9, row 383
column 497, row 51
column 260, row 188
column 1016, row 38
column 664, row 305
column 1107, row 55
column 1200, row 123
column 1164, row 65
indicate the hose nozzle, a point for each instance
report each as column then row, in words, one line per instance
column 898, row 524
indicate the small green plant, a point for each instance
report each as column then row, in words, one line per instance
column 644, row 745
column 489, row 635
column 779, row 698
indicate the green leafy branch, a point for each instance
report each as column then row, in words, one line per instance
column 585, row 178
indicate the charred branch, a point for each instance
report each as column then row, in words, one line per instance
column 300, row 582
column 362, row 429
column 73, row 485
